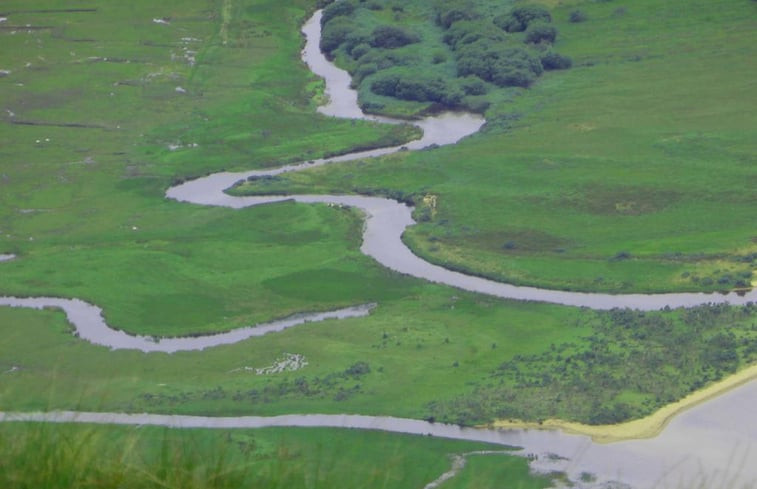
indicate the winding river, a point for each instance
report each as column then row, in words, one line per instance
column 707, row 446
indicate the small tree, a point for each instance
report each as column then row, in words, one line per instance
column 577, row 16
column 554, row 61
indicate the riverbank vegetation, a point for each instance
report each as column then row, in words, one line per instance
column 519, row 361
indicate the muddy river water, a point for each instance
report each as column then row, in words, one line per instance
column 712, row 445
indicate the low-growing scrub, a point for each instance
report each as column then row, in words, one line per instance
column 631, row 364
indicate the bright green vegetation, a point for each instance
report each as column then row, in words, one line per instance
column 83, row 207
column 452, row 357
column 632, row 171
column 91, row 457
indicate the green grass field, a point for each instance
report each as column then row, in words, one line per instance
column 633, row 171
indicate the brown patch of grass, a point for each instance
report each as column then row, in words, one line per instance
column 514, row 241
column 621, row 200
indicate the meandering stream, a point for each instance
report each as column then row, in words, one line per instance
column 705, row 444
column 387, row 219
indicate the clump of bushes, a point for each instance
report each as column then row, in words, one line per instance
column 453, row 15
column 555, row 61
column 337, row 9
column 503, row 66
column 485, row 52
column 540, row 32
column 467, row 32
column 577, row 16
column 391, row 37
column 334, row 33
column 520, row 18
column 416, row 86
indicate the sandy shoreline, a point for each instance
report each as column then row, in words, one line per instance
column 647, row 427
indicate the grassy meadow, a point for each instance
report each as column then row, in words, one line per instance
column 632, row 171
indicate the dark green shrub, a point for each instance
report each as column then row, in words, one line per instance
column 387, row 59
column 370, row 107
column 520, row 18
column 540, row 32
column 358, row 369
column 554, row 61
column 451, row 16
column 337, row 9
column 390, row 37
column 496, row 63
column 335, row 33
column 438, row 58
column 473, row 85
column 510, row 76
column 364, row 70
column 360, row 50
column 577, row 16
column 467, row 32
column 355, row 39
column 475, row 104
column 418, row 87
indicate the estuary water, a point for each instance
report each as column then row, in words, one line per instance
column 711, row 446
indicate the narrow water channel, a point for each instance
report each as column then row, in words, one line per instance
column 387, row 219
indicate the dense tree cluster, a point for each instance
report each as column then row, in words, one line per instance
column 512, row 50
column 416, row 86
column 495, row 63
column 482, row 49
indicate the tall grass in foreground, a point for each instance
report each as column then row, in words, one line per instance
column 43, row 456
column 56, row 456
